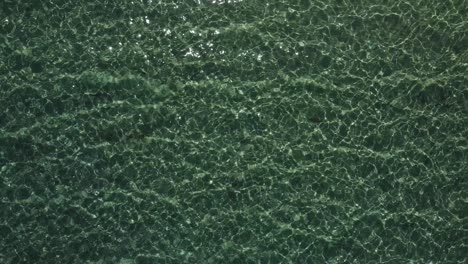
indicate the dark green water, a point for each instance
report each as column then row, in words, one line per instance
column 233, row 131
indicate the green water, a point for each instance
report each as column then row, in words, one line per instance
column 282, row 131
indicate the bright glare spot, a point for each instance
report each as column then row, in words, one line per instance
column 220, row 2
column 192, row 53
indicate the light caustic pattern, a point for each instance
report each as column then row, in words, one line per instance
column 233, row 131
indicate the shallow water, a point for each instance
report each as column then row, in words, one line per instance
column 233, row 132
